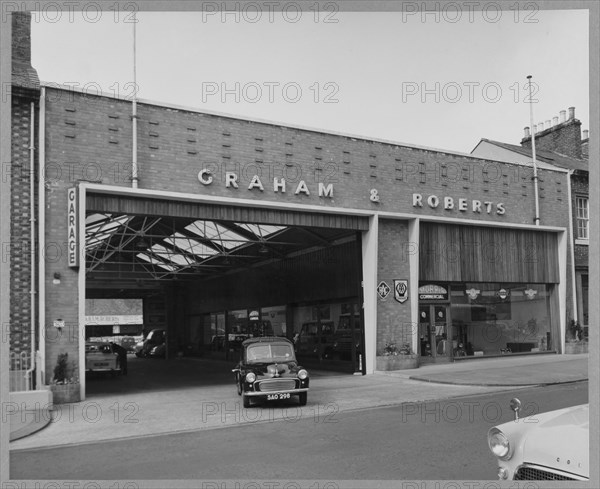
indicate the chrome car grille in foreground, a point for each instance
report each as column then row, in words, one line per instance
column 276, row 385
column 525, row 473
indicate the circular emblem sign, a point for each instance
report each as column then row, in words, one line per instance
column 503, row 293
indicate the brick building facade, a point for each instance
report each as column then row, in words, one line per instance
column 559, row 143
column 425, row 247
column 25, row 90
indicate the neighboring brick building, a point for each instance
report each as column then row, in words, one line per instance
column 435, row 250
column 559, row 143
column 25, row 93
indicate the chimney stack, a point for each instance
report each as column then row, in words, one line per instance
column 561, row 134
column 24, row 78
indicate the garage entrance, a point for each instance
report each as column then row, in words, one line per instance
column 210, row 276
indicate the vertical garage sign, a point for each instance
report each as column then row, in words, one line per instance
column 72, row 241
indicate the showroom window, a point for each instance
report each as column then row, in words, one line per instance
column 500, row 318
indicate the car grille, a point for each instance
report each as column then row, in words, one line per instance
column 276, row 385
column 525, row 473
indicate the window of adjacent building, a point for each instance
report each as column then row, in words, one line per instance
column 582, row 206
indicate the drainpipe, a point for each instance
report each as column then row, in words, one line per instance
column 535, row 175
column 40, row 373
column 32, row 243
column 572, row 241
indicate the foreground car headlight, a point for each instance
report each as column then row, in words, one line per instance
column 499, row 444
column 302, row 374
column 250, row 377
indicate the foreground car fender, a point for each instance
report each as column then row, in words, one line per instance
column 546, row 446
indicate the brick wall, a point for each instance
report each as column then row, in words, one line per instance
column 24, row 92
column 21, row 36
column 20, row 246
column 393, row 318
column 62, row 295
column 91, row 140
column 564, row 138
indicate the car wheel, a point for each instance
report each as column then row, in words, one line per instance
column 246, row 401
column 303, row 397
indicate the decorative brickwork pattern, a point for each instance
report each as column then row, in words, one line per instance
column 21, row 264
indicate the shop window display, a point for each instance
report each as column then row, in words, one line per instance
column 495, row 318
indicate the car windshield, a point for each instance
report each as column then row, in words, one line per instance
column 260, row 353
column 102, row 348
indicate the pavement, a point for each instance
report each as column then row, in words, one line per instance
column 135, row 407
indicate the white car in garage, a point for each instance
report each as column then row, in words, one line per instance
column 101, row 357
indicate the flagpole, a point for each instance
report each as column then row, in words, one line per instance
column 535, row 174
column 134, row 165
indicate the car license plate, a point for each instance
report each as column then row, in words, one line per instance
column 276, row 397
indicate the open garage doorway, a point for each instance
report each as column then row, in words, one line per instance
column 210, row 276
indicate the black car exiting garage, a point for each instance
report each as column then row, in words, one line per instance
column 268, row 370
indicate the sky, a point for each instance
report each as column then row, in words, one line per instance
column 442, row 79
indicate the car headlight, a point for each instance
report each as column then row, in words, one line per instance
column 302, row 374
column 250, row 377
column 499, row 444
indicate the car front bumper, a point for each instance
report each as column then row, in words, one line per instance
column 268, row 393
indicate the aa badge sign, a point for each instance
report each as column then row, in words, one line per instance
column 401, row 290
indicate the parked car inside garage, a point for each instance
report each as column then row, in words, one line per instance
column 315, row 339
column 128, row 342
column 347, row 332
column 101, row 357
column 155, row 338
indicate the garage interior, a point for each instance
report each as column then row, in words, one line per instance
column 203, row 270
